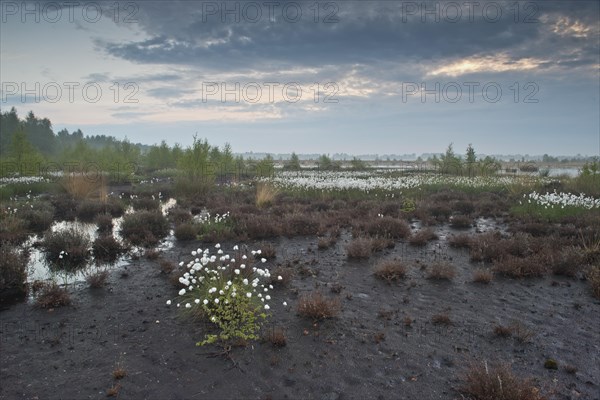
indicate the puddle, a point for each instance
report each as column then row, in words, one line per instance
column 39, row 270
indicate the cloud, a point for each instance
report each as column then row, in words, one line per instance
column 487, row 64
column 367, row 33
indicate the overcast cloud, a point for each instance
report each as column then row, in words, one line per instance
column 321, row 77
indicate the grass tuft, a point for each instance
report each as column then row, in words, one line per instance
column 316, row 306
column 484, row 382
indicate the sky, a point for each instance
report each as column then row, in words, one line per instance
column 356, row 77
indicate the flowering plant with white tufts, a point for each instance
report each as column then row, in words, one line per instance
column 563, row 200
column 227, row 290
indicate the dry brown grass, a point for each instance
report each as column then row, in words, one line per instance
column 167, row 266
column 13, row 271
column 97, row 279
column 316, row 306
column 51, row 295
column 568, row 261
column 441, row 270
column 521, row 332
column 268, row 251
column 520, row 267
column 482, row 275
column 119, row 372
column 423, row 236
column 265, row 194
column 388, row 227
column 593, row 277
column 326, row 242
column 286, row 274
column 276, row 336
column 461, row 222
column 491, row 246
column 390, row 270
column 113, row 391
column 85, row 186
column 462, row 240
column 359, row 248
column 485, row 382
column 502, row 331
column 441, row 319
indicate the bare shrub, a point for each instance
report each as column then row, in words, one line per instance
column 144, row 228
column 276, row 336
column 301, row 225
column 107, row 250
column 521, row 332
column 51, row 295
column 13, row 272
column 97, row 279
column 461, row 240
column 388, row 227
column 104, row 223
column 423, row 236
column 88, row 210
column 484, row 382
column 593, row 277
column 268, row 251
column 390, row 270
column 441, row 319
column 517, row 267
column 502, row 331
column 286, row 274
column 482, row 275
column 461, row 222
column 316, row 306
column 359, row 248
column 381, row 243
column 145, row 204
column 186, row 231
column 441, row 270
column 568, row 261
column 67, row 250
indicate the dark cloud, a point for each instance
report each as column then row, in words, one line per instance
column 367, row 33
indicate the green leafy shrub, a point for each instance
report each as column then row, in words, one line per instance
column 214, row 229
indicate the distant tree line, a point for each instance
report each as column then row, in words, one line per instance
column 29, row 147
column 469, row 165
